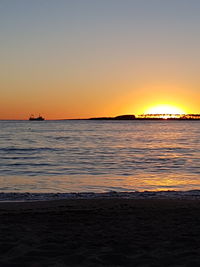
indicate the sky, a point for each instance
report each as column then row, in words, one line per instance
column 89, row 58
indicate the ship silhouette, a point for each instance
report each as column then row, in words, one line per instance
column 39, row 118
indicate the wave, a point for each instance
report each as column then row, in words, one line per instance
column 190, row 194
column 29, row 149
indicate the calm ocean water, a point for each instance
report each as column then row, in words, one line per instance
column 99, row 156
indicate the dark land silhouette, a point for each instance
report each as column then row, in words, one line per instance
column 152, row 117
column 121, row 117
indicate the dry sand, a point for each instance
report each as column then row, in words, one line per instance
column 100, row 232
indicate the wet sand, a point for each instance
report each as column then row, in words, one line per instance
column 100, row 232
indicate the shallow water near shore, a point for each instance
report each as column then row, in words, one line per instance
column 99, row 156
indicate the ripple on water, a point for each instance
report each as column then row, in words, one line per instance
column 99, row 153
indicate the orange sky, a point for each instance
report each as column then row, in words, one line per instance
column 67, row 60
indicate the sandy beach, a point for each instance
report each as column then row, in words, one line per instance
column 100, row 232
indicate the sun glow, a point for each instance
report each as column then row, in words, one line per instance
column 164, row 109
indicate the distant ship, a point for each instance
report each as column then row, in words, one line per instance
column 39, row 118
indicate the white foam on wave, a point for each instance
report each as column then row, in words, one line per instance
column 16, row 197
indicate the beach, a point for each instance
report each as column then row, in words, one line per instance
column 101, row 232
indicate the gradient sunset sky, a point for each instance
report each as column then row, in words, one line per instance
column 86, row 58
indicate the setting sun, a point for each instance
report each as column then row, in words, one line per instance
column 165, row 109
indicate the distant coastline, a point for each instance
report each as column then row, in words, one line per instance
column 181, row 117
column 157, row 117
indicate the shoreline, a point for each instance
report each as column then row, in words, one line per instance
column 29, row 197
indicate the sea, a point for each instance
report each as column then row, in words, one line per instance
column 78, row 156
